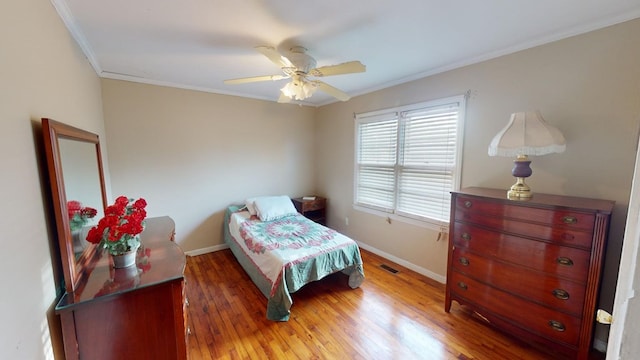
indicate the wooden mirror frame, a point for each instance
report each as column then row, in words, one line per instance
column 74, row 269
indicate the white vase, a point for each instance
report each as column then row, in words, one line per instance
column 125, row 260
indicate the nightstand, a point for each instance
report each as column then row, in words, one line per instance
column 312, row 209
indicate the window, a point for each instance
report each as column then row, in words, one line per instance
column 408, row 159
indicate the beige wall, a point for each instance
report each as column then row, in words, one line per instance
column 588, row 86
column 42, row 74
column 191, row 154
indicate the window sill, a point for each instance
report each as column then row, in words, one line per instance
column 433, row 224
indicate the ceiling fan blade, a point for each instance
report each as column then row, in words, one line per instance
column 336, row 93
column 344, row 68
column 255, row 79
column 273, row 55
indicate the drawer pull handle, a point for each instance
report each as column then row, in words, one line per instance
column 557, row 325
column 464, row 261
column 570, row 220
column 466, row 236
column 462, row 285
column 468, row 204
column 564, row 261
column 560, row 294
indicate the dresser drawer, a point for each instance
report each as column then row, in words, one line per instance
column 559, row 235
column 524, row 314
column 560, row 294
column 552, row 217
column 568, row 262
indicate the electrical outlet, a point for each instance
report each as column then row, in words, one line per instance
column 346, row 220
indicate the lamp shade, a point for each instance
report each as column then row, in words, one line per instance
column 527, row 134
column 299, row 88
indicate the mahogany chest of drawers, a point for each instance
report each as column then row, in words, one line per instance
column 137, row 312
column 531, row 268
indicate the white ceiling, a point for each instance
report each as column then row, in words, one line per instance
column 196, row 44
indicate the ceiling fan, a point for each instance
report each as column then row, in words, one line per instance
column 298, row 66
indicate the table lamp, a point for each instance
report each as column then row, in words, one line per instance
column 526, row 134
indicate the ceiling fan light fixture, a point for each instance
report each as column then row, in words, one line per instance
column 299, row 90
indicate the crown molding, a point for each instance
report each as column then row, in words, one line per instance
column 65, row 14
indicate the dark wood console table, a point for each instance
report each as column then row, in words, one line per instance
column 132, row 313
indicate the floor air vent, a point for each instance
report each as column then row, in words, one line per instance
column 389, row 268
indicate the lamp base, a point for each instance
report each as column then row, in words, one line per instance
column 521, row 170
column 519, row 190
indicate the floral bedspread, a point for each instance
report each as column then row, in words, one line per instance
column 292, row 232
column 287, row 253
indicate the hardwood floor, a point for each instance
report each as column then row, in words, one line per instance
column 391, row 316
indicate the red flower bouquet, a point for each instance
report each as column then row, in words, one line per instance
column 118, row 231
column 79, row 215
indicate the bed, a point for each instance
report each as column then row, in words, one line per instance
column 282, row 253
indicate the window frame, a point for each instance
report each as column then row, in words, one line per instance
column 394, row 213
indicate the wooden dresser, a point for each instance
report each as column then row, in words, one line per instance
column 133, row 313
column 531, row 268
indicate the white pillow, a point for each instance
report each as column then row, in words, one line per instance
column 250, row 204
column 274, row 207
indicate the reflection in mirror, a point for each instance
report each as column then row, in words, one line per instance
column 78, row 192
column 82, row 188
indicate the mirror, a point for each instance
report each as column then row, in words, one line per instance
column 82, row 188
column 78, row 192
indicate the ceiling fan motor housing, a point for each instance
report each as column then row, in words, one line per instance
column 299, row 58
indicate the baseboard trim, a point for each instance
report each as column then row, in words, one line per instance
column 420, row 270
column 206, row 250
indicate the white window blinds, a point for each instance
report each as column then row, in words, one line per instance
column 407, row 159
column 378, row 139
